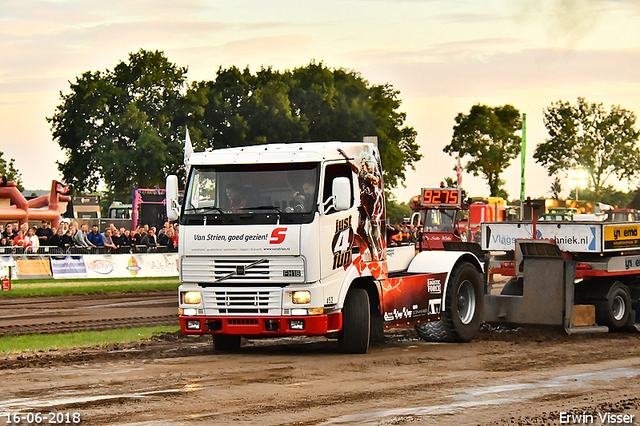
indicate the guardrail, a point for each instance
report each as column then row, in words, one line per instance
column 77, row 262
column 57, row 251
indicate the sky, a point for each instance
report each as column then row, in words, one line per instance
column 443, row 56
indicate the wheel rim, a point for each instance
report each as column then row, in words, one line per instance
column 466, row 302
column 619, row 308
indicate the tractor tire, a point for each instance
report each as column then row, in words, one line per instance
column 462, row 317
column 614, row 310
column 227, row 342
column 356, row 323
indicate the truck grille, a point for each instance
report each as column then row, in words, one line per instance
column 242, row 302
column 207, row 270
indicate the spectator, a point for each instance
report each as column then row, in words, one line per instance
column 64, row 224
column 67, row 239
column 19, row 239
column 10, row 231
column 4, row 241
column 166, row 240
column 32, row 242
column 176, row 231
column 137, row 235
column 117, row 239
column 149, row 239
column 125, row 240
column 44, row 233
column 404, row 233
column 95, row 237
column 80, row 236
column 108, row 240
column 56, row 240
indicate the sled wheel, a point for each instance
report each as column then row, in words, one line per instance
column 614, row 310
column 354, row 336
column 462, row 317
column 227, row 343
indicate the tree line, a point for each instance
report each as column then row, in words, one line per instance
column 125, row 126
column 581, row 136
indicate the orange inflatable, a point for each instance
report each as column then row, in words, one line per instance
column 44, row 207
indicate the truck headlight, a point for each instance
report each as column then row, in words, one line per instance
column 191, row 297
column 301, row 297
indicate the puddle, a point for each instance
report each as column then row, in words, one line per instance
column 27, row 404
column 480, row 397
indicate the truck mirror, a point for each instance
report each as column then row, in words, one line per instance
column 341, row 193
column 173, row 208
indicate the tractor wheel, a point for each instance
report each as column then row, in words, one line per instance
column 462, row 317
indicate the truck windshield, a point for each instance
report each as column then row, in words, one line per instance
column 260, row 189
column 439, row 220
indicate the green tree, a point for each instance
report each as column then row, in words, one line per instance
column 608, row 195
column 11, row 173
column 487, row 136
column 397, row 212
column 587, row 136
column 126, row 126
column 119, row 126
column 310, row 103
column 556, row 188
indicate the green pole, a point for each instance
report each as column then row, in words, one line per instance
column 523, row 155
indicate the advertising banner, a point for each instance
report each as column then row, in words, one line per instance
column 574, row 237
column 262, row 240
column 68, row 267
column 33, row 267
column 618, row 237
column 131, row 265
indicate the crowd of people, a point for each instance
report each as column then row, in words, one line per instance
column 402, row 234
column 72, row 237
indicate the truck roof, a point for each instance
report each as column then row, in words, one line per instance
column 282, row 153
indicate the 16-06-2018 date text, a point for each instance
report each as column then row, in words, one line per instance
column 47, row 418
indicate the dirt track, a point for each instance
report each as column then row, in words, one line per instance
column 529, row 376
column 64, row 314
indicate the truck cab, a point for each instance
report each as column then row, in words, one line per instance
column 289, row 239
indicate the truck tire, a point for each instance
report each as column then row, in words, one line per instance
column 226, row 342
column 356, row 323
column 614, row 310
column 462, row 317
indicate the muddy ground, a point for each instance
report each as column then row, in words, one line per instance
column 528, row 376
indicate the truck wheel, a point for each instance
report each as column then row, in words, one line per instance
column 227, row 343
column 461, row 319
column 614, row 310
column 354, row 336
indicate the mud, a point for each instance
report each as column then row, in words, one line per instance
column 523, row 376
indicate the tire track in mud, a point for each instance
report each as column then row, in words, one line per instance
column 88, row 325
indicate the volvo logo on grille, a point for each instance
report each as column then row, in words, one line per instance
column 240, row 270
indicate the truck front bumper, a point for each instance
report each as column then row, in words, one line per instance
column 263, row 326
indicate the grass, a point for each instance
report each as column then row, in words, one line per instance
column 44, row 342
column 29, row 288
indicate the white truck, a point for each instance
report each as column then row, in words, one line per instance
column 290, row 240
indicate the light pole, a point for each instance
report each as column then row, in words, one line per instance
column 578, row 179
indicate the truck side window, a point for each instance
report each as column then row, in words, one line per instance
column 333, row 171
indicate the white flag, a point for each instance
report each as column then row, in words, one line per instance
column 459, row 173
column 188, row 150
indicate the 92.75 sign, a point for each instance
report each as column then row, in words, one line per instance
column 441, row 197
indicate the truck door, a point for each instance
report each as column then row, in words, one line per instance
column 337, row 228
